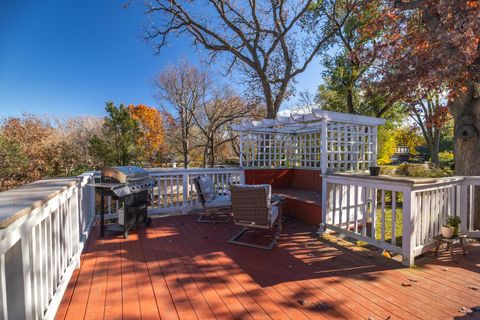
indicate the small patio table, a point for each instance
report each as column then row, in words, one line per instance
column 461, row 238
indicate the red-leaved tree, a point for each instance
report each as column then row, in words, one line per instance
column 430, row 44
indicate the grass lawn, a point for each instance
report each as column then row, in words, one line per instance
column 388, row 226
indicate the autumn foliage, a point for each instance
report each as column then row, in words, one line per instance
column 434, row 43
column 151, row 142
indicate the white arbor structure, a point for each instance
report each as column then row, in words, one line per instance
column 324, row 140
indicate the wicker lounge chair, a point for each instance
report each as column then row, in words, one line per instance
column 252, row 208
column 216, row 204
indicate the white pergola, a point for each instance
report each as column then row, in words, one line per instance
column 325, row 140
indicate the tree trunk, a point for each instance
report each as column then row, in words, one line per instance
column 205, row 155
column 212, row 155
column 466, row 113
column 351, row 107
column 435, row 148
column 186, row 160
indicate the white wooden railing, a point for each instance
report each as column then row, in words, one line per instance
column 41, row 248
column 469, row 206
column 372, row 209
column 174, row 189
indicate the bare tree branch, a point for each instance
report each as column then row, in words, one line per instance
column 269, row 41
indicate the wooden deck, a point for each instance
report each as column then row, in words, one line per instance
column 179, row 269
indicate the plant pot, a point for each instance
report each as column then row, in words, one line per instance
column 455, row 231
column 447, row 232
column 374, row 171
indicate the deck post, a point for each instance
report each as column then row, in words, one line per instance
column 462, row 205
column 373, row 159
column 241, row 149
column 242, row 176
column 323, row 226
column 408, row 228
column 27, row 276
column 185, row 185
column 75, row 212
column 324, row 150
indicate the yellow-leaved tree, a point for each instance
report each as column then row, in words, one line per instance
column 150, row 144
column 387, row 145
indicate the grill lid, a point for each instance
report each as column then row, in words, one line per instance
column 125, row 180
column 124, row 174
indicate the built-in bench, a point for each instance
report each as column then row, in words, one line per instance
column 302, row 189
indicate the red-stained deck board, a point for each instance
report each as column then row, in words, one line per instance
column 180, row 269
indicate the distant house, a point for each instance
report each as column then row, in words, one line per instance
column 402, row 154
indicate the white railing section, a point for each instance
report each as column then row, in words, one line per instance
column 398, row 215
column 470, row 206
column 174, row 188
column 358, row 208
column 40, row 250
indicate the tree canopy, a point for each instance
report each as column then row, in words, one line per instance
column 270, row 42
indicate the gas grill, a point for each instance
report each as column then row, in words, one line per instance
column 130, row 185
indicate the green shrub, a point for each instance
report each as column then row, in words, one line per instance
column 447, row 159
column 388, row 170
column 422, row 170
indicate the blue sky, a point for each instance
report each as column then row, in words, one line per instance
column 67, row 58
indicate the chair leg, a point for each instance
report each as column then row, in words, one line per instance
column 464, row 244
column 279, row 226
column 235, row 240
column 211, row 217
column 437, row 247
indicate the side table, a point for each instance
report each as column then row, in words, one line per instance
column 461, row 238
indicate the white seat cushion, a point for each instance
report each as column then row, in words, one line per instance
column 273, row 214
column 219, row 201
column 207, row 189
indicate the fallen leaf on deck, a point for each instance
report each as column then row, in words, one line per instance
column 322, row 306
column 385, row 253
column 474, row 288
column 444, row 269
column 412, row 280
column 406, row 284
column 464, row 310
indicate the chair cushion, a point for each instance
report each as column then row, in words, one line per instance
column 219, row 201
column 273, row 214
column 207, row 188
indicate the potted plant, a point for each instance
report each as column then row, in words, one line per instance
column 447, row 231
column 454, row 222
column 450, row 229
column 374, row 171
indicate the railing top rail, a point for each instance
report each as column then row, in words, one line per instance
column 440, row 183
column 472, row 180
column 169, row 171
column 389, row 181
column 18, row 202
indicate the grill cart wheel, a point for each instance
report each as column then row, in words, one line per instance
column 147, row 221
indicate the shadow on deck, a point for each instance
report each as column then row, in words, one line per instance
column 181, row 269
